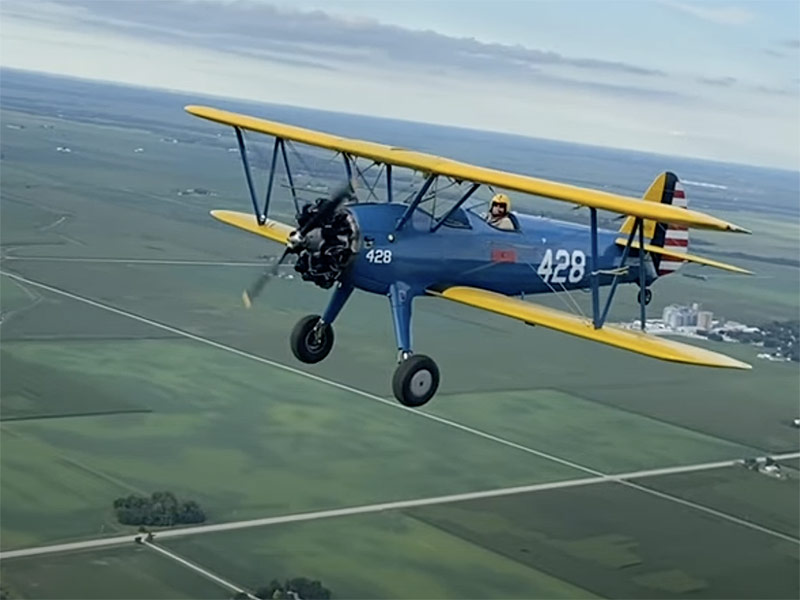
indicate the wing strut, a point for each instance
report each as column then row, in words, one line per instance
column 279, row 145
column 598, row 318
column 248, row 176
column 595, row 276
column 455, row 206
column 289, row 175
column 389, row 183
column 347, row 167
column 415, row 203
column 271, row 177
column 642, row 280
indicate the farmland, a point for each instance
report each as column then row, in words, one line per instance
column 137, row 369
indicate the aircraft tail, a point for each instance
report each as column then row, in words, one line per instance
column 666, row 189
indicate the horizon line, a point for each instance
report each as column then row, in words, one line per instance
column 174, row 91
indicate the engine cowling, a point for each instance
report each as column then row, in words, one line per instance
column 327, row 251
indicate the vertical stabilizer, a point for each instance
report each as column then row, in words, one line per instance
column 667, row 189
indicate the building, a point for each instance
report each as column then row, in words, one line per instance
column 704, row 319
column 675, row 316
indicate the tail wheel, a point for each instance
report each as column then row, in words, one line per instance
column 648, row 295
column 311, row 341
column 415, row 381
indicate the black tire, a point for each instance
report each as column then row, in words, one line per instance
column 304, row 345
column 648, row 296
column 415, row 380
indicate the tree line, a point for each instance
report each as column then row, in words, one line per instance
column 292, row 589
column 161, row 509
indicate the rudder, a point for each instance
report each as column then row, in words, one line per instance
column 667, row 189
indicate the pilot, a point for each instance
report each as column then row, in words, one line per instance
column 498, row 212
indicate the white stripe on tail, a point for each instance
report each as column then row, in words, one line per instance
column 676, row 237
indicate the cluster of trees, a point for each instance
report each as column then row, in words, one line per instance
column 782, row 337
column 292, row 589
column 161, row 509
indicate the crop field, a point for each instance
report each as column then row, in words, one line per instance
column 399, row 556
column 137, row 369
column 126, row 573
column 621, row 543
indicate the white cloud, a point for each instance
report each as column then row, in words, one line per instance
column 318, row 61
column 714, row 12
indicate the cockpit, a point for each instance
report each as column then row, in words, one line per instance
column 463, row 218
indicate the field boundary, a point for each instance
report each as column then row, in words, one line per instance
column 144, row 261
column 441, row 420
column 96, row 413
column 414, row 503
column 198, row 569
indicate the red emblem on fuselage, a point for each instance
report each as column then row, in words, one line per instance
column 504, row 255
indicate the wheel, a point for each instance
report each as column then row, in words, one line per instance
column 415, row 380
column 648, row 295
column 310, row 344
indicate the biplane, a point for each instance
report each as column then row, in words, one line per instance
column 404, row 249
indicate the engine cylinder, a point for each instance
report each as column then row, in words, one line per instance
column 329, row 249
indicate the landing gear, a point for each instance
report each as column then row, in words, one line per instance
column 415, row 380
column 311, row 339
column 648, row 295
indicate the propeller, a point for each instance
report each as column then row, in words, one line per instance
column 296, row 241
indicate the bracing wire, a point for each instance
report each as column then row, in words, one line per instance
column 560, row 297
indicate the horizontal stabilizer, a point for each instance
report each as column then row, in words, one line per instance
column 686, row 256
column 429, row 163
column 274, row 230
column 627, row 339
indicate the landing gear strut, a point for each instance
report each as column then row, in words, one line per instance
column 417, row 377
column 311, row 339
column 416, row 380
column 648, row 295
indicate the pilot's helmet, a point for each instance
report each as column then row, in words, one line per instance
column 503, row 200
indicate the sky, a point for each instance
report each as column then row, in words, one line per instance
column 709, row 79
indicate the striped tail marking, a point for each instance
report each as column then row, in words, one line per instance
column 676, row 237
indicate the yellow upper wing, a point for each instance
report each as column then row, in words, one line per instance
column 700, row 260
column 274, row 230
column 627, row 339
column 465, row 172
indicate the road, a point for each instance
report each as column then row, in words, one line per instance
column 198, row 569
column 413, row 503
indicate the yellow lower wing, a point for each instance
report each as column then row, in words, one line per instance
column 635, row 341
column 686, row 256
column 274, row 230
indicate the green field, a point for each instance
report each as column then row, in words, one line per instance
column 620, row 543
column 271, row 436
column 248, row 440
column 377, row 556
column 740, row 492
column 586, row 432
column 126, row 573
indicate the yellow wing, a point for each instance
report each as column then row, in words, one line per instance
column 459, row 171
column 635, row 341
column 686, row 256
column 274, row 230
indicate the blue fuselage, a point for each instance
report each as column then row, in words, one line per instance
column 542, row 255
